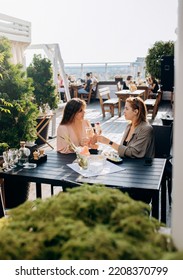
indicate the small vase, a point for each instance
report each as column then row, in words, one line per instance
column 24, row 154
column 82, row 160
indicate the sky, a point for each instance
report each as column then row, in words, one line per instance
column 97, row 30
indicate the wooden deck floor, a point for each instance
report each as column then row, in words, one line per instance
column 111, row 127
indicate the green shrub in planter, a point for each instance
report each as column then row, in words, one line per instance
column 155, row 54
column 85, row 223
column 40, row 70
column 3, row 147
column 18, row 113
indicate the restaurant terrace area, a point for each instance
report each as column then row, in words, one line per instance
column 112, row 127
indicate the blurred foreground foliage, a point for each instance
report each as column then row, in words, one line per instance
column 84, row 223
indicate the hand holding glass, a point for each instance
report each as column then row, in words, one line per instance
column 89, row 134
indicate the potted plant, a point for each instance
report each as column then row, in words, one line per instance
column 17, row 111
column 3, row 147
column 45, row 96
column 85, row 223
column 154, row 56
column 18, row 114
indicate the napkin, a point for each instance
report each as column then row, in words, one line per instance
column 108, row 168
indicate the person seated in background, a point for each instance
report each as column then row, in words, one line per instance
column 73, row 127
column 139, row 81
column 152, row 84
column 94, row 82
column 127, row 82
column 138, row 139
column 130, row 83
column 86, row 87
column 60, row 87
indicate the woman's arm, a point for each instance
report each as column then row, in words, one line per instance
column 138, row 146
column 104, row 140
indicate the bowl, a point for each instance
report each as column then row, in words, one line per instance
column 96, row 163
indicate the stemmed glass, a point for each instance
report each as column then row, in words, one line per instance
column 10, row 158
column 7, row 160
column 89, row 133
column 98, row 129
column 13, row 157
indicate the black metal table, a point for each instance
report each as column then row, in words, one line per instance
column 136, row 176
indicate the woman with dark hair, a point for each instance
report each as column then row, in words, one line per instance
column 152, row 84
column 138, row 139
column 73, row 126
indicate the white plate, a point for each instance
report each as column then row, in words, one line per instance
column 115, row 159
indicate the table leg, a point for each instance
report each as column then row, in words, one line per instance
column 163, row 200
column 119, row 107
column 39, row 130
column 45, row 141
column 155, row 204
column 52, row 190
column 38, row 190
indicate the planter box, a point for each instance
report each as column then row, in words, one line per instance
column 15, row 192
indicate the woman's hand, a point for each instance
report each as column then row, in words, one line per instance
column 84, row 141
column 102, row 139
column 93, row 139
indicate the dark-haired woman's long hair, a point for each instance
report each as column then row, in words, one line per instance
column 72, row 107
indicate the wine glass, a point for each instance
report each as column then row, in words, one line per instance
column 98, row 129
column 14, row 157
column 89, row 134
column 7, row 160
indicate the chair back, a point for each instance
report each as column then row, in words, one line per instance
column 94, row 91
column 163, row 140
column 107, row 104
column 104, row 94
column 87, row 96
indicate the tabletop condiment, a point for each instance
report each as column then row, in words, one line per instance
column 23, row 153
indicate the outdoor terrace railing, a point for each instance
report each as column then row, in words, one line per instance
column 106, row 71
column 15, row 29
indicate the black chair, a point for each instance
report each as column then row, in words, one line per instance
column 163, row 135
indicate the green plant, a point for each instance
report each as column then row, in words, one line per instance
column 40, row 71
column 3, row 147
column 18, row 113
column 153, row 58
column 85, row 223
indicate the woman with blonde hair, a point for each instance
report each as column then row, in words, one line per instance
column 138, row 139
